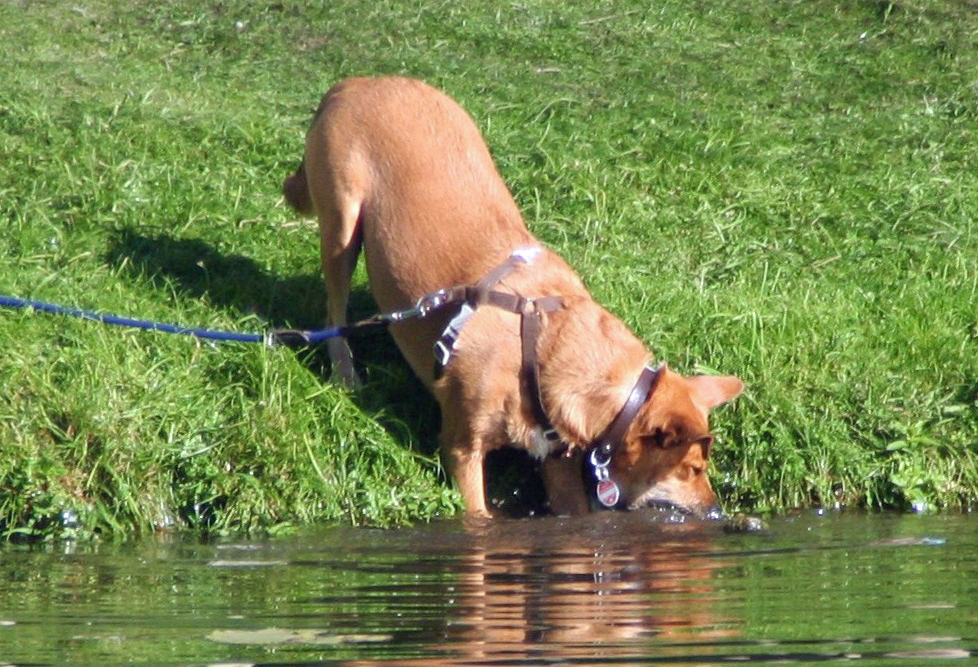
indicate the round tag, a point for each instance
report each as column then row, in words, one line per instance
column 608, row 493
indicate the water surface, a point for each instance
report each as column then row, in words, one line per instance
column 608, row 589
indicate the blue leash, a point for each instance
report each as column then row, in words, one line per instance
column 270, row 338
column 14, row 302
column 288, row 337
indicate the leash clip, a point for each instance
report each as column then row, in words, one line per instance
column 424, row 305
column 430, row 302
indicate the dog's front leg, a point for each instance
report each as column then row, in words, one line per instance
column 565, row 484
column 466, row 464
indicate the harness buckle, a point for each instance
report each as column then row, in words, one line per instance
column 442, row 352
column 445, row 345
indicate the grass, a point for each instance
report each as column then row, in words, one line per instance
column 783, row 190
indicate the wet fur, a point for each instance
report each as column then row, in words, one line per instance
column 398, row 170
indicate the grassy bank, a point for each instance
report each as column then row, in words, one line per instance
column 780, row 190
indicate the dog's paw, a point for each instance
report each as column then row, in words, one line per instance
column 341, row 360
column 347, row 377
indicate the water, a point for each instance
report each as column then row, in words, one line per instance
column 609, row 589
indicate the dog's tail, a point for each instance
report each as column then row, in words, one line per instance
column 296, row 191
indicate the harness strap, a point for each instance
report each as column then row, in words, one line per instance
column 531, row 316
column 471, row 297
column 530, row 325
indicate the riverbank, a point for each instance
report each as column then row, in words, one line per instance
column 782, row 192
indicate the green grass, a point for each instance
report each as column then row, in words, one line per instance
column 780, row 190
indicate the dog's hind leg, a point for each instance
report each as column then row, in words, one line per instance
column 336, row 192
column 340, row 241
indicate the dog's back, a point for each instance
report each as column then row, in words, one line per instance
column 434, row 210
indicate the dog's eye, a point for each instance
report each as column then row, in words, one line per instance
column 658, row 438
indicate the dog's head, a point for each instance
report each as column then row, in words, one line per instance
column 664, row 456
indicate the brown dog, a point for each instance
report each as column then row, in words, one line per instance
column 398, row 169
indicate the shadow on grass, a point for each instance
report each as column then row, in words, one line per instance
column 392, row 395
column 197, row 270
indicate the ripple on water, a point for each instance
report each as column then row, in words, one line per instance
column 605, row 589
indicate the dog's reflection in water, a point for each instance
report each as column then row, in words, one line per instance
column 604, row 587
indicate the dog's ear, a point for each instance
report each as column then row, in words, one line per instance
column 709, row 391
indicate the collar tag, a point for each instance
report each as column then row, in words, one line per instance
column 608, row 493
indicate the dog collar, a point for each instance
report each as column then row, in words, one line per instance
column 607, row 491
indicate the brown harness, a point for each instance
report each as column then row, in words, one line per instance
column 531, row 316
column 531, row 320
